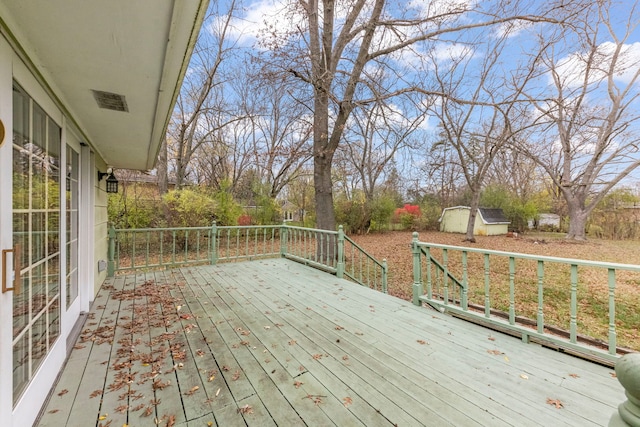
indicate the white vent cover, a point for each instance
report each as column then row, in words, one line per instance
column 110, row 101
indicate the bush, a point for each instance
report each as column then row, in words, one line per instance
column 129, row 211
column 189, row 208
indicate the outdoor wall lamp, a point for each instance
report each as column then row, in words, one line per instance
column 112, row 181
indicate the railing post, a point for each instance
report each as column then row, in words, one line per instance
column 214, row 243
column 111, row 253
column 340, row 264
column 283, row 240
column 628, row 373
column 417, row 270
column 385, row 269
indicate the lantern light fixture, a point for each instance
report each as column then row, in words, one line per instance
column 112, row 181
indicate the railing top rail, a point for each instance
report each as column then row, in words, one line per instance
column 314, row 230
column 230, row 227
column 572, row 261
column 143, row 230
column 348, row 239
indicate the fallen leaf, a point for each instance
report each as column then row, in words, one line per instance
column 217, row 392
column 491, row 338
column 495, row 352
column 557, row 403
column 53, row 411
column 236, row 375
column 423, row 342
column 292, row 342
column 613, row 375
column 192, row 390
column 317, row 356
column 63, row 392
column 339, row 328
column 574, row 375
column 246, row 409
column 347, row 401
column 524, row 376
column 297, row 384
column 103, row 417
column 95, row 393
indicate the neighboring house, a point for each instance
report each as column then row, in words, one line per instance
column 489, row 222
column 291, row 212
column 84, row 86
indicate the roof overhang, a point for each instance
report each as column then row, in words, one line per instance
column 136, row 51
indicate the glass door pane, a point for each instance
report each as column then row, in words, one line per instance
column 36, row 232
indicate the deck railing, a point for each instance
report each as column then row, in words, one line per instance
column 567, row 303
column 331, row 251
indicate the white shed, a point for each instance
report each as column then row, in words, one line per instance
column 489, row 221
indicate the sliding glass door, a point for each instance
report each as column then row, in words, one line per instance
column 36, row 237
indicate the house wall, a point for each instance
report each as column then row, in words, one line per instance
column 93, row 207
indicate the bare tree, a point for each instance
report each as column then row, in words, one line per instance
column 586, row 137
column 332, row 44
column 474, row 113
column 200, row 107
column 282, row 126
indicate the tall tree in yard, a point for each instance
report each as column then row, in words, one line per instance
column 475, row 112
column 200, row 110
column 332, row 44
column 586, row 118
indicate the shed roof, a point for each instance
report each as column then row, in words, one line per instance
column 493, row 216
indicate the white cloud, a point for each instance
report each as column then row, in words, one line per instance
column 572, row 69
column 260, row 16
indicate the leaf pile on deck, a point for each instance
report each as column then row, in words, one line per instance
column 150, row 347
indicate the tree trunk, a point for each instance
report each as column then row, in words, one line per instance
column 163, row 176
column 577, row 221
column 473, row 212
column 325, row 215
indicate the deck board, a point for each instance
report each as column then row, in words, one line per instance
column 273, row 342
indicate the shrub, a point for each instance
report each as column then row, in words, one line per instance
column 189, row 208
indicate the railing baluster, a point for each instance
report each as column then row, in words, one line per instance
column 465, row 282
column 146, row 257
column 612, row 310
column 427, row 255
column 445, row 276
column 384, row 276
column 573, row 325
column 173, row 247
column 512, row 290
column 133, row 251
column 161, row 247
column 417, row 275
column 186, row 245
column 540, row 320
column 487, row 295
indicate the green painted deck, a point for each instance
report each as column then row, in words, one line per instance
column 273, row 342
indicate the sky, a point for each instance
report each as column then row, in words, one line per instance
column 254, row 19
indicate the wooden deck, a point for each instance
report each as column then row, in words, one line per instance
column 273, row 342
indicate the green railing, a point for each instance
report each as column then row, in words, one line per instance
column 331, row 251
column 566, row 303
